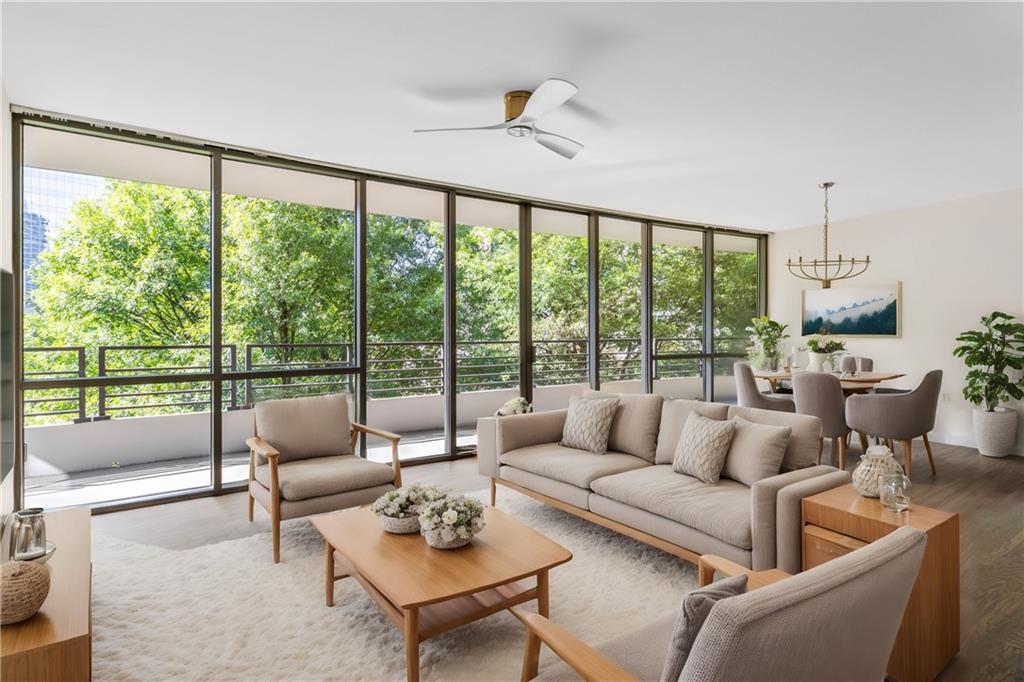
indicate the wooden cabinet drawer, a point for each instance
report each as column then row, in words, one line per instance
column 821, row 545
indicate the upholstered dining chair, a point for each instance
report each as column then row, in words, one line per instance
column 899, row 417
column 748, row 395
column 821, row 395
column 849, row 364
column 792, row 628
column 302, row 460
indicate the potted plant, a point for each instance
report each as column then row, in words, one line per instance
column 822, row 351
column 399, row 510
column 451, row 521
column 766, row 336
column 990, row 354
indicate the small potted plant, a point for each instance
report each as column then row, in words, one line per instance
column 822, row 351
column 994, row 357
column 451, row 521
column 399, row 510
column 766, row 336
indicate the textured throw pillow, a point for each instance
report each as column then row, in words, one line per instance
column 703, row 447
column 587, row 424
column 694, row 611
column 756, row 451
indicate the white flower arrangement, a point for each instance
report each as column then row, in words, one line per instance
column 406, row 501
column 451, row 521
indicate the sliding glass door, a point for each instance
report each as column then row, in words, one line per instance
column 677, row 302
column 736, row 292
column 618, row 345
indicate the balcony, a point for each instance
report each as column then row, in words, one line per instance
column 85, row 446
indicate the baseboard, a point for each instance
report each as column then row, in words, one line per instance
column 964, row 439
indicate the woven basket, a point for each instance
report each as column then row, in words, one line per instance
column 406, row 524
column 23, row 589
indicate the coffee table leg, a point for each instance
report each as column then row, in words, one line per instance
column 531, row 657
column 412, row 644
column 329, row 574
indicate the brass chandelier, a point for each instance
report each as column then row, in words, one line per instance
column 827, row 270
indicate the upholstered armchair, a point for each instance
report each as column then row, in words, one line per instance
column 821, row 395
column 748, row 395
column 782, row 628
column 302, row 461
column 899, row 417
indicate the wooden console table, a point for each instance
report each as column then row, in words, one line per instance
column 56, row 643
column 839, row 521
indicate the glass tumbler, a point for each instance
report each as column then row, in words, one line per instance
column 894, row 492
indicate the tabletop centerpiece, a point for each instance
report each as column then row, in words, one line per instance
column 451, row 521
column 399, row 509
column 822, row 351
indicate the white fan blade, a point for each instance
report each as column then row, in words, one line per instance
column 497, row 126
column 557, row 143
column 549, row 95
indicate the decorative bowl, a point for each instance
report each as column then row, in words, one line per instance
column 400, row 526
column 434, row 539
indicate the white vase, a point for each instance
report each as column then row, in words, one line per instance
column 874, row 465
column 995, row 432
column 816, row 361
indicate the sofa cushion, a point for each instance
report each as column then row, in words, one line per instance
column 299, row 428
column 320, row 476
column 802, row 450
column 756, row 451
column 673, row 417
column 635, row 425
column 693, row 612
column 569, row 465
column 703, row 447
column 722, row 511
column 588, row 423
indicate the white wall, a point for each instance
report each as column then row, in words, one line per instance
column 957, row 260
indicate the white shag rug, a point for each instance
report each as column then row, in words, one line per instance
column 227, row 612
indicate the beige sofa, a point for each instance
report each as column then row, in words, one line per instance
column 632, row 488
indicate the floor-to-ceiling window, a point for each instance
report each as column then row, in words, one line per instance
column 405, row 318
column 169, row 286
column 116, row 291
column 486, row 310
column 736, row 291
column 287, row 290
column 677, row 310
column 559, row 288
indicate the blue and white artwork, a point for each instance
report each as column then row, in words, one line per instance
column 852, row 311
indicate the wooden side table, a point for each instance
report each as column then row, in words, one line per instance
column 839, row 521
column 56, row 643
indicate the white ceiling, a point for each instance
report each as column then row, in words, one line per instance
column 728, row 114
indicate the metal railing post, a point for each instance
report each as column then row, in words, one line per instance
column 81, row 390
column 101, row 410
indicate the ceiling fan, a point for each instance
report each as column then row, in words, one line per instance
column 523, row 109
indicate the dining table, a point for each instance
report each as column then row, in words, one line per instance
column 852, row 382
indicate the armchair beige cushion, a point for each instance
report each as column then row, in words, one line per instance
column 321, row 476
column 285, row 424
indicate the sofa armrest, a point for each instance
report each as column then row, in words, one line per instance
column 498, row 435
column 789, row 517
column 763, row 501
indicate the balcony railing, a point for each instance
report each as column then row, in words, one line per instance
column 394, row 370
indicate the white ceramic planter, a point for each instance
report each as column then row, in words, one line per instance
column 995, row 432
column 400, row 526
column 816, row 361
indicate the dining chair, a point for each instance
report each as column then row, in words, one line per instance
column 748, row 395
column 821, row 395
column 849, row 364
column 899, row 417
column 302, row 460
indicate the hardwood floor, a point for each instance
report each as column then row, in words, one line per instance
column 988, row 494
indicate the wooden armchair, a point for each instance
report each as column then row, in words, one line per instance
column 782, row 628
column 302, row 460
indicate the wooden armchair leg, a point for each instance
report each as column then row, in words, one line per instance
column 494, row 492
column 531, row 657
column 842, row 452
column 907, row 460
column 252, row 475
column 863, row 442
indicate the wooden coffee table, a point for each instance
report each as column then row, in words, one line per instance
column 426, row 591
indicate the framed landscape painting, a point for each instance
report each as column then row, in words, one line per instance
column 873, row 310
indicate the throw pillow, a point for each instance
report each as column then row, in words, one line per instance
column 692, row 613
column 635, row 426
column 587, row 424
column 756, row 451
column 703, row 447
